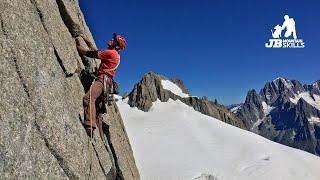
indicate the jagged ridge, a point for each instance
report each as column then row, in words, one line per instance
column 282, row 111
column 149, row 89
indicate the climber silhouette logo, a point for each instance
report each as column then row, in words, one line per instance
column 291, row 40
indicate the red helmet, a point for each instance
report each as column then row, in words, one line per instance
column 118, row 40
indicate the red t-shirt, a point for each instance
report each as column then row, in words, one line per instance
column 109, row 60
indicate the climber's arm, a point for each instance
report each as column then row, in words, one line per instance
column 86, row 52
column 88, row 42
column 82, row 50
column 92, row 54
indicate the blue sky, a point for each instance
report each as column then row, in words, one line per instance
column 215, row 47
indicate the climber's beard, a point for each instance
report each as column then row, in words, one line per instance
column 111, row 44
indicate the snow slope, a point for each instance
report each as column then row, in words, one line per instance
column 170, row 86
column 314, row 119
column 173, row 141
column 235, row 109
column 313, row 100
column 266, row 108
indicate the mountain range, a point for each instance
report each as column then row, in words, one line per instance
column 175, row 135
column 284, row 111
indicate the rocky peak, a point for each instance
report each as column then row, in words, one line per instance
column 315, row 87
column 270, row 92
column 288, row 86
column 280, row 87
column 150, row 88
column 297, row 87
column 253, row 98
column 283, row 112
column 316, row 84
column 251, row 110
column 307, row 109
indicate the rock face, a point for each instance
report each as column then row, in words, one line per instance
column 285, row 111
column 149, row 89
column 41, row 133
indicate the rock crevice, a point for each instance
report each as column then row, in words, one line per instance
column 23, row 83
column 64, row 166
column 73, row 27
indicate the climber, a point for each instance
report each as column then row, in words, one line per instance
column 110, row 59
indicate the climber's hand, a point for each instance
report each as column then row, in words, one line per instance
column 84, row 37
column 88, row 42
column 82, row 50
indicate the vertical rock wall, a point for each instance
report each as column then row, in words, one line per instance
column 41, row 135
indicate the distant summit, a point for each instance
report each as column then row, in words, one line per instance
column 285, row 111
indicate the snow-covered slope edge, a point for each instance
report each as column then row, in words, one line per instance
column 173, row 141
column 168, row 85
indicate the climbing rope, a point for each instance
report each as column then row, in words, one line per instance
column 91, row 130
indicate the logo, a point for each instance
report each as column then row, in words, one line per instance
column 290, row 39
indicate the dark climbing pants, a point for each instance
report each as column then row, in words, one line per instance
column 89, row 104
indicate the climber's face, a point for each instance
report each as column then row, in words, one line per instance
column 111, row 44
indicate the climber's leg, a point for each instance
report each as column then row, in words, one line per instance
column 99, row 124
column 90, row 107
